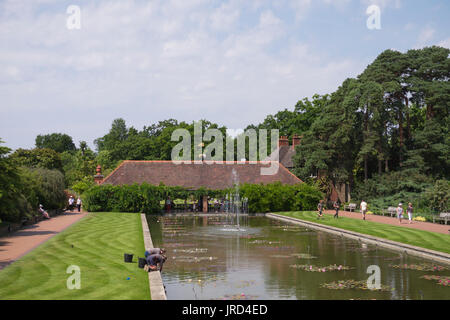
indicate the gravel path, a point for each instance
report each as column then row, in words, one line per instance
column 24, row 240
column 427, row 226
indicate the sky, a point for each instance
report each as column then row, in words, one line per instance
column 230, row 62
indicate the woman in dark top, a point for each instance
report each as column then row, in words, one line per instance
column 336, row 206
column 409, row 211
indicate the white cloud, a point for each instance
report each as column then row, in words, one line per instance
column 148, row 61
column 396, row 4
column 445, row 43
column 225, row 17
column 301, row 8
column 425, row 36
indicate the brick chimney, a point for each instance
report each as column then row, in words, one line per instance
column 283, row 141
column 98, row 178
column 295, row 141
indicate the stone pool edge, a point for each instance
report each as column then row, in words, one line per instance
column 441, row 257
column 157, row 290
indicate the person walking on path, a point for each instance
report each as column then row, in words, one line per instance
column 409, row 210
column 363, row 207
column 320, row 209
column 399, row 211
column 71, row 201
column 336, row 206
column 79, row 204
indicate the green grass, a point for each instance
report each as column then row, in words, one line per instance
column 99, row 241
column 420, row 238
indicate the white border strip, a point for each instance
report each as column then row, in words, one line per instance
column 157, row 290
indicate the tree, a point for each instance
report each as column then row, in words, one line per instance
column 9, row 187
column 37, row 158
column 22, row 189
column 55, row 141
column 334, row 138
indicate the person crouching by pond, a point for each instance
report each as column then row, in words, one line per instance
column 153, row 261
column 149, row 252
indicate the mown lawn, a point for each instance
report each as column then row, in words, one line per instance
column 420, row 238
column 96, row 244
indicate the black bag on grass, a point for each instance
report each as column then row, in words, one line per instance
column 127, row 257
column 142, row 262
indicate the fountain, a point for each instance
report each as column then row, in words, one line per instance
column 234, row 205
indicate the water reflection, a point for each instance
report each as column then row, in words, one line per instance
column 208, row 262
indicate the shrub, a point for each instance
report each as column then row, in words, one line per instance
column 439, row 195
column 43, row 186
column 277, row 197
column 146, row 198
column 82, row 185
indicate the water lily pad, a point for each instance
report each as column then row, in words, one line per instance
column 264, row 242
column 193, row 250
column 191, row 259
column 303, row 256
column 440, row 280
column 238, row 296
column 419, row 267
column 311, row 268
column 352, row 284
column 280, row 256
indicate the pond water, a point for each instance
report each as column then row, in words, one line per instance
column 269, row 259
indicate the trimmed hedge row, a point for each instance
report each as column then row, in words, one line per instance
column 277, row 197
column 146, row 198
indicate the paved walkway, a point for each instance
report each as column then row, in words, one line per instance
column 19, row 243
column 427, row 226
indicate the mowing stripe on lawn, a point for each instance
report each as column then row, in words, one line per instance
column 96, row 244
column 419, row 238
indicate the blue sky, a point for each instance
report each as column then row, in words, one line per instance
column 231, row 62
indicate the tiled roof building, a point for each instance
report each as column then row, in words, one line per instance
column 196, row 175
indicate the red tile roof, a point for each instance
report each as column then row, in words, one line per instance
column 196, row 175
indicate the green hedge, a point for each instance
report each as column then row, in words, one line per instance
column 146, row 198
column 278, row 197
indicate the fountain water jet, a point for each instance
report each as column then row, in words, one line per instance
column 234, row 204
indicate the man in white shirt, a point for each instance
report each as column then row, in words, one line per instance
column 363, row 207
column 71, row 201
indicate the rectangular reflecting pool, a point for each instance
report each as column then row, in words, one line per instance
column 210, row 258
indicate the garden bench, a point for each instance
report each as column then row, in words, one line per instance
column 351, row 207
column 392, row 211
column 444, row 216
